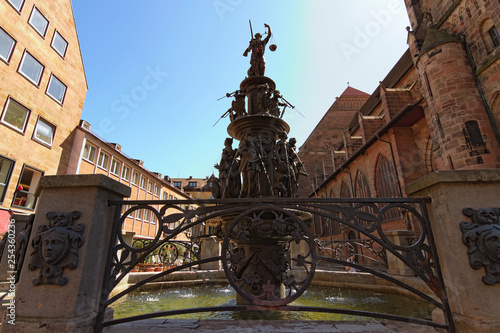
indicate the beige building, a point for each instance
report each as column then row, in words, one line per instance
column 93, row 155
column 199, row 188
column 42, row 91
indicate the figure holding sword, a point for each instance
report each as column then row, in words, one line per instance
column 257, row 46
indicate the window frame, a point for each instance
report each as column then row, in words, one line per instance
column 177, row 184
column 5, row 185
column 57, row 33
column 7, row 60
column 495, row 37
column 126, row 167
column 35, row 8
column 52, row 76
column 26, row 119
column 112, row 166
column 193, row 184
column 150, row 186
column 20, row 7
column 135, row 180
column 23, row 58
column 86, row 157
column 34, row 138
column 156, row 190
column 99, row 158
column 33, row 188
column 142, row 183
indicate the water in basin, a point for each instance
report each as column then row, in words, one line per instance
column 137, row 303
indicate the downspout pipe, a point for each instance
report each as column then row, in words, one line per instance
column 479, row 87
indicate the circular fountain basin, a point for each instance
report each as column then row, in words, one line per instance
column 217, row 295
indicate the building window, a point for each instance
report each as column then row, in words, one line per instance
column 143, row 183
column 17, row 4
column 126, row 173
column 15, row 115
column 7, row 44
column 56, row 89
column 138, row 214
column 38, row 21
column 6, row 167
column 44, row 132
column 362, row 188
column 150, row 186
column 24, row 195
column 103, row 160
column 59, row 44
column 157, row 190
column 386, row 180
column 165, row 195
column 31, row 68
column 89, row 152
column 115, row 167
column 387, row 184
column 192, row 184
column 135, row 178
column 177, row 184
column 494, row 36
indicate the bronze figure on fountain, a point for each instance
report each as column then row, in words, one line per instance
column 257, row 47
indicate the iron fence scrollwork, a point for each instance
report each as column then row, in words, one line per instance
column 269, row 253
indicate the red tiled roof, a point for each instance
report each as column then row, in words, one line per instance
column 350, row 91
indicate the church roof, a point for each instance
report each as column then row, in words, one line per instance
column 351, row 92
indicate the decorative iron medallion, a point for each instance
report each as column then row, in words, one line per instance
column 269, row 255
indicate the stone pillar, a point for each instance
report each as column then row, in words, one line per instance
column 474, row 304
column 71, row 231
column 210, row 248
column 395, row 265
column 20, row 223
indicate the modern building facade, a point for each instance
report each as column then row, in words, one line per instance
column 437, row 109
column 91, row 154
column 42, row 91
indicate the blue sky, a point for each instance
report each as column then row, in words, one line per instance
column 155, row 69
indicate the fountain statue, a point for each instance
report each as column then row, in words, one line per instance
column 264, row 165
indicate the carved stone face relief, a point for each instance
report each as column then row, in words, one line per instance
column 482, row 237
column 56, row 247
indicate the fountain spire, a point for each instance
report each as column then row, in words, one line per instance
column 259, row 163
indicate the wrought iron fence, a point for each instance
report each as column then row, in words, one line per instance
column 287, row 220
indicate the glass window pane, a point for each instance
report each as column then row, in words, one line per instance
column 15, row 115
column 17, row 4
column 25, row 192
column 103, row 160
column 38, row 21
column 6, row 45
column 5, row 172
column 126, row 173
column 59, row 44
column 56, row 89
column 44, row 132
column 31, row 68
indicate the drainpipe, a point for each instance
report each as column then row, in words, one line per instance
column 474, row 68
column 394, row 162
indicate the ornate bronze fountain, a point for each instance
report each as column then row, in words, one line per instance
column 256, row 247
